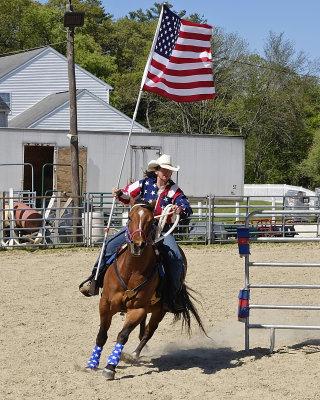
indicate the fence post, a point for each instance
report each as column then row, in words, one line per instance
column 199, row 210
column 209, row 225
column 237, row 210
column 86, row 231
column 2, row 217
column 273, row 202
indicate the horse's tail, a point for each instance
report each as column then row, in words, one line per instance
column 188, row 310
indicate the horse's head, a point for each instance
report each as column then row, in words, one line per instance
column 140, row 226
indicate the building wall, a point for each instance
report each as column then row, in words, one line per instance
column 3, row 119
column 91, row 113
column 44, row 75
column 209, row 164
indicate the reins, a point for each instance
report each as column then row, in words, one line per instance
column 130, row 293
column 161, row 224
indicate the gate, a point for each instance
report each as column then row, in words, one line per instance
column 244, row 251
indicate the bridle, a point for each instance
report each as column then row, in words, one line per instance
column 147, row 238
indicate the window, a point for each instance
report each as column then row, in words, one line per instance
column 6, row 97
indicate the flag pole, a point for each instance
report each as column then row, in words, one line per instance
column 94, row 282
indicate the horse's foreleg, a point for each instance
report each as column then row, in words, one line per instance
column 155, row 319
column 105, row 322
column 142, row 327
column 133, row 318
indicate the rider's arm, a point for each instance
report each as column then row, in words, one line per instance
column 181, row 200
column 132, row 190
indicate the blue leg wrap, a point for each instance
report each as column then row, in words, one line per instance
column 114, row 357
column 95, row 358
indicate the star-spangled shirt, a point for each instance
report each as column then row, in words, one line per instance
column 147, row 190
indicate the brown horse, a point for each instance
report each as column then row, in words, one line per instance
column 130, row 285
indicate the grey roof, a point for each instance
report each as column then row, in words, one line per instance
column 51, row 103
column 11, row 62
column 40, row 110
column 4, row 106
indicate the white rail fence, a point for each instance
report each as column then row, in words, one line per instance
column 250, row 266
column 27, row 220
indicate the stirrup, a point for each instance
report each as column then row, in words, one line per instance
column 86, row 287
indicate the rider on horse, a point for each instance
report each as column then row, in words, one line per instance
column 159, row 188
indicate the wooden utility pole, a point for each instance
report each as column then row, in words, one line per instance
column 71, row 20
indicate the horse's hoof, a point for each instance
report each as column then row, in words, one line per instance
column 135, row 355
column 91, row 369
column 108, row 374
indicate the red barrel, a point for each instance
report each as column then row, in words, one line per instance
column 26, row 217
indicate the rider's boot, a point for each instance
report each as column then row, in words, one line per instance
column 90, row 288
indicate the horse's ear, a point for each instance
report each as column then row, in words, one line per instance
column 153, row 204
column 132, row 201
column 135, row 200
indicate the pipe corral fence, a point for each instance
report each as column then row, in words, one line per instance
column 244, row 238
column 54, row 221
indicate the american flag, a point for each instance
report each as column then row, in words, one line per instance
column 181, row 62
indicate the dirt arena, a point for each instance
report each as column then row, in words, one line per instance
column 47, row 331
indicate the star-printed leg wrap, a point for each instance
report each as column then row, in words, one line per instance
column 95, row 358
column 114, row 357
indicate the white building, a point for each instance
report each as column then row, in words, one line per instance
column 34, row 85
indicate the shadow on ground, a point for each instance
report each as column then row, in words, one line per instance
column 211, row 360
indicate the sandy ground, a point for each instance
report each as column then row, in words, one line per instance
column 47, row 331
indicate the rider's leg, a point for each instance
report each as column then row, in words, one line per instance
column 174, row 262
column 111, row 246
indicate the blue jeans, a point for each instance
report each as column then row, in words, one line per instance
column 168, row 248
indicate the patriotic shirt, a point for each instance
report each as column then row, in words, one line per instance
column 147, row 190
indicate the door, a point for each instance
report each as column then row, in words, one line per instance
column 139, row 158
column 38, row 155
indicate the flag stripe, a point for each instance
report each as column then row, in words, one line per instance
column 195, row 36
column 193, row 42
column 185, row 49
column 191, row 54
column 177, row 60
column 194, row 29
column 183, row 98
column 175, row 72
column 195, row 24
column 182, row 79
column 178, row 85
column 181, row 66
column 191, row 91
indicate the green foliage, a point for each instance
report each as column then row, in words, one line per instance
column 309, row 169
column 268, row 99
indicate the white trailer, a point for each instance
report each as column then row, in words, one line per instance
column 210, row 164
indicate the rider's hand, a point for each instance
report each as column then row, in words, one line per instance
column 116, row 192
column 176, row 209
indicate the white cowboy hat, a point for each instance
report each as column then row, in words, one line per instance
column 163, row 161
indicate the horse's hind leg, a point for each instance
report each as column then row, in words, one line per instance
column 155, row 319
column 133, row 318
column 105, row 322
